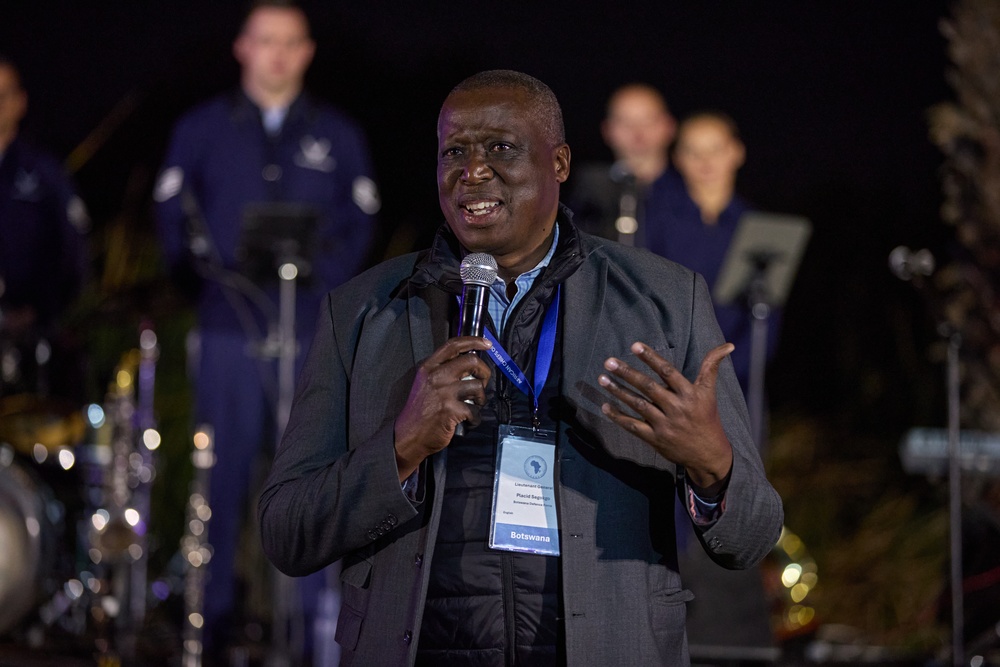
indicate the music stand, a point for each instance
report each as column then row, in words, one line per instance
column 760, row 267
column 274, row 234
column 276, row 244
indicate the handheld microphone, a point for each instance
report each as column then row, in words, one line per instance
column 478, row 271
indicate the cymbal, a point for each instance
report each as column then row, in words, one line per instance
column 154, row 299
column 27, row 420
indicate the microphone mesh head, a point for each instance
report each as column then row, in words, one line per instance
column 478, row 268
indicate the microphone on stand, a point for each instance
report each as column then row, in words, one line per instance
column 627, row 222
column 478, row 271
column 906, row 264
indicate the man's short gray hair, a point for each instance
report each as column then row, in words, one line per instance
column 544, row 103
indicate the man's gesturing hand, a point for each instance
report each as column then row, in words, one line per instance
column 680, row 419
column 437, row 401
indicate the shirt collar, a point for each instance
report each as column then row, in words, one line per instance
column 525, row 280
column 273, row 119
column 499, row 305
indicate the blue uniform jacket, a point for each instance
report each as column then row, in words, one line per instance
column 42, row 221
column 221, row 160
column 675, row 230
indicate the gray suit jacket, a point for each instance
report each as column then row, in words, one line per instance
column 333, row 491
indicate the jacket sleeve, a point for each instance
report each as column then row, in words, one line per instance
column 752, row 517
column 73, row 224
column 325, row 496
column 174, row 196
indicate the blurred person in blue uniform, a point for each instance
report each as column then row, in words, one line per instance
column 265, row 144
column 609, row 200
column 695, row 229
column 42, row 249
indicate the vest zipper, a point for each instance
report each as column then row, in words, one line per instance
column 510, row 631
column 505, row 411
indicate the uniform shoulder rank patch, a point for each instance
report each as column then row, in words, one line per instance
column 169, row 184
column 365, row 195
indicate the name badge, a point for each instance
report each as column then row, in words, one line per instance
column 524, row 501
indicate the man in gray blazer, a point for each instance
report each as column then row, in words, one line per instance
column 626, row 404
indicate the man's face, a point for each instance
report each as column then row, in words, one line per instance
column 708, row 154
column 13, row 102
column 637, row 126
column 498, row 174
column 274, row 49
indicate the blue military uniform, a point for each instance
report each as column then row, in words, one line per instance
column 43, row 264
column 42, row 222
column 675, row 230
column 221, row 162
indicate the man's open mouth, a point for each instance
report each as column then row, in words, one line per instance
column 481, row 207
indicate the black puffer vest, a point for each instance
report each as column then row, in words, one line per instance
column 487, row 607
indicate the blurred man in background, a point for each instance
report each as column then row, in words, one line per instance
column 610, row 200
column 265, row 163
column 42, row 248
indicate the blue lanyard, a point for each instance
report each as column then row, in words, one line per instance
column 543, row 356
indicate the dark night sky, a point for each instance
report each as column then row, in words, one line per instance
column 831, row 99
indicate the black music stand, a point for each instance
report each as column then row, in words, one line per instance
column 276, row 245
column 274, row 234
column 760, row 267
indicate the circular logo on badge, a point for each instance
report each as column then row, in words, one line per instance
column 534, row 467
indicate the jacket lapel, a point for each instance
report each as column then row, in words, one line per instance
column 428, row 309
column 602, row 321
column 583, row 310
column 428, row 315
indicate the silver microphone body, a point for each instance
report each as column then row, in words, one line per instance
column 478, row 271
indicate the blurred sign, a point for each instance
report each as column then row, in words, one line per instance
column 925, row 451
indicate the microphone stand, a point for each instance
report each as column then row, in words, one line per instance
column 287, row 618
column 627, row 222
column 760, row 310
column 955, row 497
column 912, row 266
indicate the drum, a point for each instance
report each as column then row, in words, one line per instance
column 38, row 433
column 39, row 385
column 29, row 527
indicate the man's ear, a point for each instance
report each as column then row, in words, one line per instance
column 739, row 153
column 239, row 47
column 562, row 158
